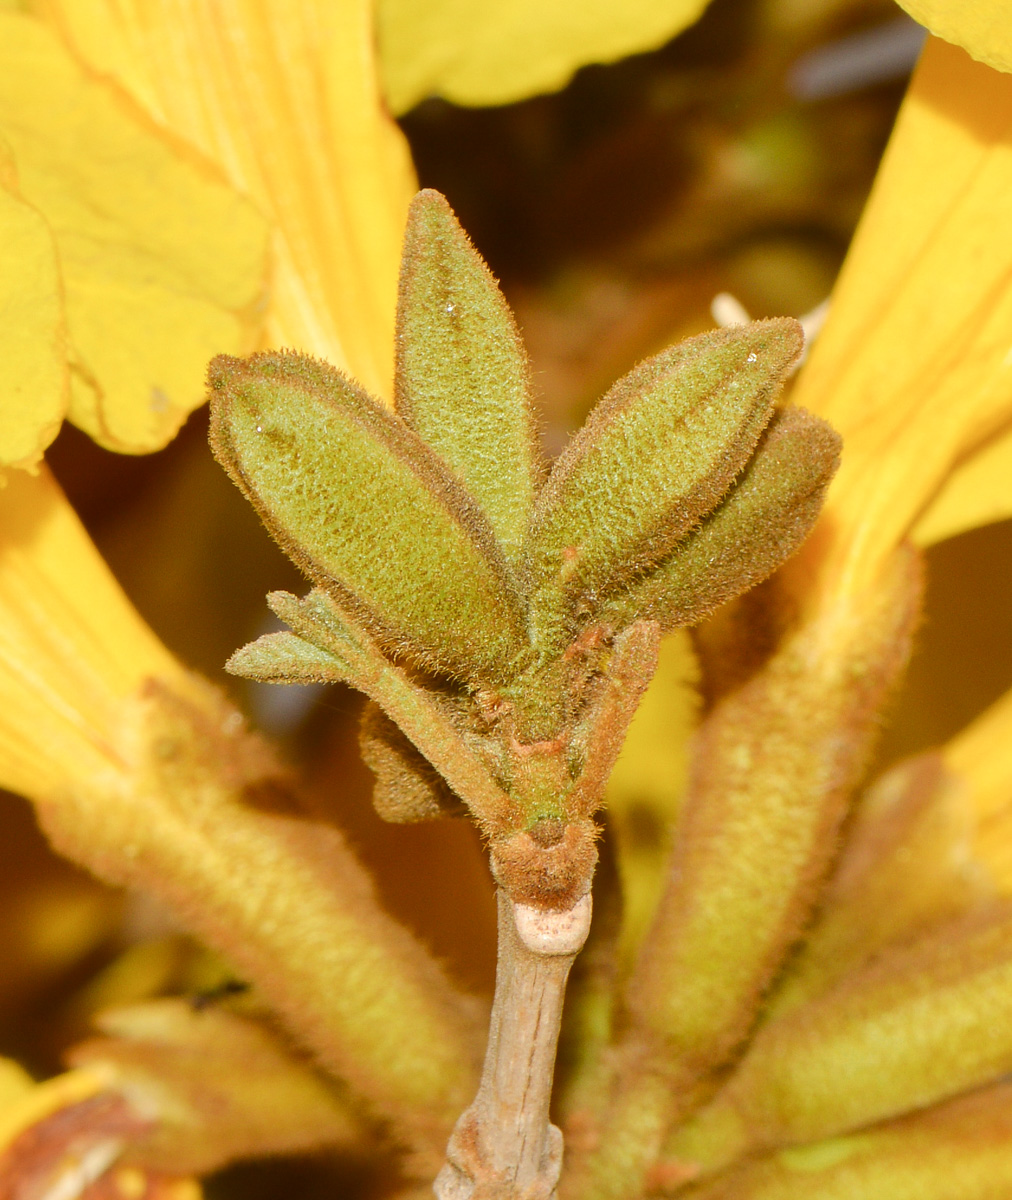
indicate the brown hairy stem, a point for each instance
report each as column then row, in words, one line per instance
column 504, row 1146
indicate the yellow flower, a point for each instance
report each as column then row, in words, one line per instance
column 914, row 366
column 495, row 54
column 981, row 27
column 126, row 259
column 129, row 261
column 72, row 648
column 284, row 98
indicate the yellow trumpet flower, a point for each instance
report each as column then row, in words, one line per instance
column 914, row 365
column 127, row 258
column 72, row 647
column 284, row 98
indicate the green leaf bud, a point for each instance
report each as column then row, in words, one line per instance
column 366, row 509
column 656, row 454
column 760, row 523
column 462, row 379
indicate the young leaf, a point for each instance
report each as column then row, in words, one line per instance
column 286, row 658
column 760, row 523
column 419, row 711
column 365, row 509
column 657, row 454
column 462, row 380
column 407, row 788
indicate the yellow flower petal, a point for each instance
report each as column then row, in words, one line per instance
column 914, row 366
column 162, row 263
column 33, row 363
column 497, row 53
column 284, row 96
column 982, row 27
column 977, row 493
column 15, row 1082
column 71, row 646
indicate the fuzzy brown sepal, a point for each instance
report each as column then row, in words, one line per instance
column 407, row 788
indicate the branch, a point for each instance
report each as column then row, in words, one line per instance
column 504, row 1145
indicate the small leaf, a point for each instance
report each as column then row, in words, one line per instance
column 761, row 522
column 319, row 621
column 656, row 454
column 602, row 729
column 463, row 381
column 420, row 712
column 407, row 789
column 365, row 509
column 286, row 658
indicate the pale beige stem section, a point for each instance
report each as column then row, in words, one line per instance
column 504, row 1146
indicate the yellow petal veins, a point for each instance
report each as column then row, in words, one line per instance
column 284, row 97
column 162, row 264
column 914, row 367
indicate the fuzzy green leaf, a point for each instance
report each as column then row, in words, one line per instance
column 319, row 621
column 656, row 454
column 760, row 523
column 420, row 712
column 407, row 789
column 286, row 658
column 462, row 381
column 365, row 509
